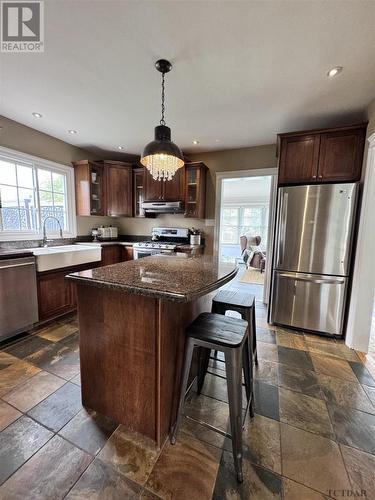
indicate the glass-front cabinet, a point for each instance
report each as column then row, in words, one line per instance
column 138, row 192
column 195, row 189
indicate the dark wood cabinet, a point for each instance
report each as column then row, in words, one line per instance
column 328, row 155
column 172, row 190
column 195, row 189
column 127, row 253
column 299, row 159
column 56, row 295
column 119, row 188
column 90, row 187
column 103, row 188
column 341, row 155
column 111, row 254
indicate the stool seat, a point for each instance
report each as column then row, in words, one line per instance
column 217, row 329
column 235, row 298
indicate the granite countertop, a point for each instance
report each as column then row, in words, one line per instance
column 13, row 253
column 107, row 243
column 166, row 277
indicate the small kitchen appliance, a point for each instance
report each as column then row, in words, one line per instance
column 164, row 240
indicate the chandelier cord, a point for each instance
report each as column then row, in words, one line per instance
column 162, row 121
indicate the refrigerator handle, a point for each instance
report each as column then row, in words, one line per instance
column 328, row 281
column 282, row 227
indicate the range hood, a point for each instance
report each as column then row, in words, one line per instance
column 162, row 207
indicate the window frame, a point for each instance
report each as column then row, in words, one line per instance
column 71, row 232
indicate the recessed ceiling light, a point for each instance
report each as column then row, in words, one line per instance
column 217, row 140
column 120, row 148
column 71, row 131
column 334, row 71
column 195, row 141
column 37, row 115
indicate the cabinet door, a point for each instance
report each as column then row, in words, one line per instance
column 173, row 190
column 341, row 155
column 127, row 253
column 153, row 189
column 54, row 294
column 195, row 190
column 138, row 192
column 119, row 190
column 111, row 255
column 299, row 159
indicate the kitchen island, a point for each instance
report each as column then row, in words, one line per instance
column 132, row 320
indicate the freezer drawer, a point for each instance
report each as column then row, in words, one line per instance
column 308, row 301
column 314, row 229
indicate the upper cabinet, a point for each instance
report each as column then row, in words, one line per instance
column 103, row 188
column 172, row 190
column 119, row 176
column 195, row 189
column 90, row 188
column 331, row 155
column 138, row 191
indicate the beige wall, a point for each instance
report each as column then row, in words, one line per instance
column 14, row 135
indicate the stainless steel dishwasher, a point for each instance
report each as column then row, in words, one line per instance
column 18, row 295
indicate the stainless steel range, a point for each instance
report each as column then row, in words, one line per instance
column 164, row 240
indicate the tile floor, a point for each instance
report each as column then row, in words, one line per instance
column 312, row 437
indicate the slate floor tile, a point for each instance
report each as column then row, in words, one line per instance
column 334, row 349
column 267, row 351
column 55, row 411
column 130, row 454
column 360, row 467
column 266, row 400
column 185, row 470
column 345, row 393
column 362, row 374
column 266, row 335
column 370, row 391
column 216, row 387
column 15, row 375
column 293, row 340
column 261, row 442
column 34, row 390
column 258, row 483
column 58, row 463
column 295, row 357
column 305, row 412
column 8, row 414
column 353, row 427
column 27, row 346
column 89, row 430
column 208, row 410
column 303, row 381
column 312, row 460
column 6, row 359
column 57, row 331
column 58, row 359
column 333, row 367
column 18, row 443
column 295, row 491
column 267, row 371
column 101, row 481
column 76, row 379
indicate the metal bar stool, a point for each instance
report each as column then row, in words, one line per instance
column 230, row 336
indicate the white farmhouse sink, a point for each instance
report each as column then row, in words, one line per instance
column 65, row 256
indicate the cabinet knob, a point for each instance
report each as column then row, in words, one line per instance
column 320, row 177
column 314, row 177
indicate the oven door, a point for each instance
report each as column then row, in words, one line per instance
column 139, row 253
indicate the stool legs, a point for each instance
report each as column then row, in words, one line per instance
column 233, row 363
column 185, row 377
column 247, row 356
column 254, row 335
column 203, row 367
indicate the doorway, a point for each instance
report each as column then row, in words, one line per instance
column 245, row 212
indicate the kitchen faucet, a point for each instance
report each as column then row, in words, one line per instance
column 45, row 240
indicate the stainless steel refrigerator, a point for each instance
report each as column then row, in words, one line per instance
column 313, row 246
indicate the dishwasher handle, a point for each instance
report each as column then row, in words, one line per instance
column 21, row 264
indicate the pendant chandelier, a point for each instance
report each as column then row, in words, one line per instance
column 162, row 157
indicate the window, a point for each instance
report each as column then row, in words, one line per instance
column 31, row 190
column 237, row 220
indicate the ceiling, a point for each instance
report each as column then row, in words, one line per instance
column 243, row 71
